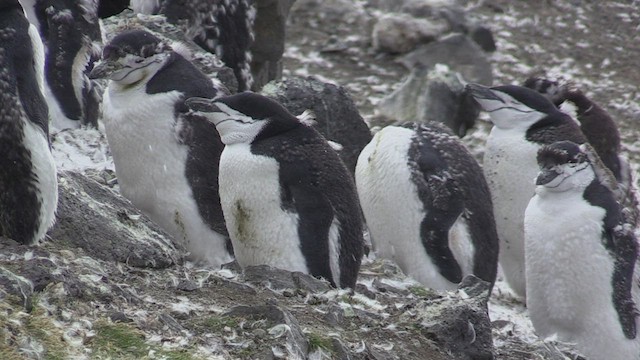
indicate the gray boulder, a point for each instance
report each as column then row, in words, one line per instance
column 104, row 225
column 267, row 49
column 432, row 95
column 336, row 115
column 458, row 52
column 400, row 33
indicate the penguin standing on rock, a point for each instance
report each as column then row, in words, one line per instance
column 427, row 205
column 288, row 199
column 524, row 121
column 70, row 31
column 581, row 257
column 166, row 157
column 28, row 184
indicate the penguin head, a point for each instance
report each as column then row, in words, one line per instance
column 511, row 106
column 245, row 117
column 550, row 89
column 564, row 165
column 132, row 57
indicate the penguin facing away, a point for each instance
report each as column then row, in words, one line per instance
column 287, row 198
column 166, row 157
column 524, row 121
column 581, row 257
column 427, row 205
column 28, row 183
column 70, row 31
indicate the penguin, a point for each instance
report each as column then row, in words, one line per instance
column 166, row 158
column 596, row 124
column 28, row 183
column 222, row 27
column 287, row 198
column 70, row 31
column 523, row 121
column 581, row 257
column 427, row 205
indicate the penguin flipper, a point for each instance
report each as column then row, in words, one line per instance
column 626, row 256
column 446, row 206
column 315, row 217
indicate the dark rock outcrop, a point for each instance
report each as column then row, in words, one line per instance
column 269, row 28
column 336, row 116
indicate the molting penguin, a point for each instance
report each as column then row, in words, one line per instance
column 70, row 31
column 222, row 27
column 287, row 198
column 427, row 205
column 28, row 184
column 581, row 257
column 166, row 157
column 524, row 121
column 596, row 124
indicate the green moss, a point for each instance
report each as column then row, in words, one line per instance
column 39, row 326
column 118, row 340
column 123, row 341
column 317, row 341
column 216, row 324
column 419, row 291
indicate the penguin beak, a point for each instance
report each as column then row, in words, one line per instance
column 546, row 176
column 480, row 92
column 104, row 69
column 202, row 105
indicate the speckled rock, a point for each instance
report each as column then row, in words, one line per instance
column 400, row 33
column 105, row 225
column 336, row 116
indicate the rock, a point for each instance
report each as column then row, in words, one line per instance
column 282, row 325
column 267, row 49
column 208, row 63
column 458, row 52
column 483, row 37
column 336, row 116
column 432, row 95
column 107, row 227
column 460, row 323
column 400, row 33
column 331, row 13
column 278, row 279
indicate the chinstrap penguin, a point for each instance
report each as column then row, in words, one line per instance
column 524, row 120
column 28, row 183
column 288, row 200
column 222, row 27
column 581, row 257
column 70, row 32
column 427, row 205
column 596, row 124
column 166, row 157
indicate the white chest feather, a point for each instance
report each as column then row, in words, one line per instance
column 45, row 170
column 569, row 274
column 394, row 212
column 260, row 230
column 150, row 165
column 510, row 168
